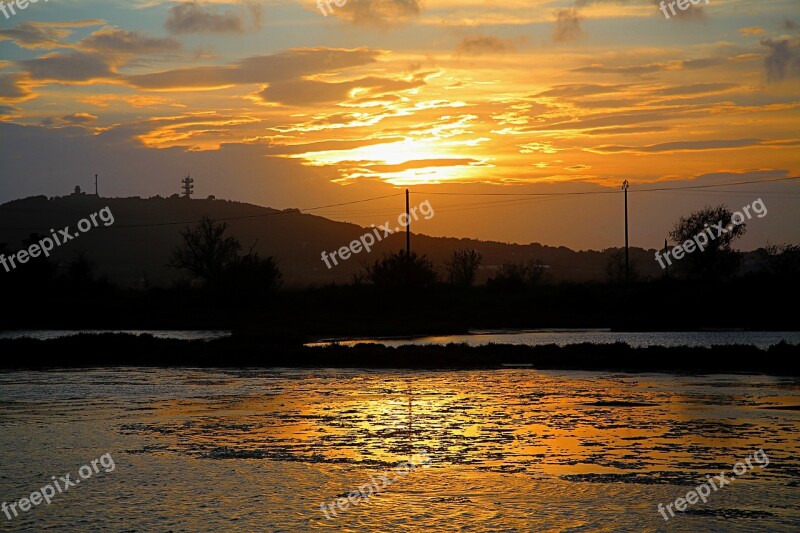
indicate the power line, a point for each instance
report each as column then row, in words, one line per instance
column 717, row 185
column 610, row 191
column 520, row 198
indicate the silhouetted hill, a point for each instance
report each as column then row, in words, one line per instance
column 135, row 249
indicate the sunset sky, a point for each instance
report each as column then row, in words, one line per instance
column 275, row 104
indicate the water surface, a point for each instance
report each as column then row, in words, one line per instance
column 512, row 450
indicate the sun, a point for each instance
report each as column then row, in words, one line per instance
column 405, row 162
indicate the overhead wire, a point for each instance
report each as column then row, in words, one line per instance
column 511, row 198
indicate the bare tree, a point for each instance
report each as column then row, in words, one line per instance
column 206, row 253
column 462, row 267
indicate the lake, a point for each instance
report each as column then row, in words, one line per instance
column 509, row 450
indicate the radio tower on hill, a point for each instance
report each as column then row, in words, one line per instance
column 188, row 186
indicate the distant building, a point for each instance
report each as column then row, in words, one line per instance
column 78, row 193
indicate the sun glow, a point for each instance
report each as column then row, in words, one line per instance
column 403, row 162
column 394, row 153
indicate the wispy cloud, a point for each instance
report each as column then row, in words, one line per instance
column 568, row 25
column 479, row 45
column 382, row 13
column 783, row 60
column 194, row 17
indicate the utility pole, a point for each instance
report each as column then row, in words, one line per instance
column 666, row 268
column 96, row 191
column 408, row 229
column 625, row 185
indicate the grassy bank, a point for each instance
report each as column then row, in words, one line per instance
column 116, row 350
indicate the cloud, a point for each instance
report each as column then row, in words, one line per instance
column 118, row 41
column 783, row 60
column 93, row 58
column 133, row 100
column 751, row 30
column 31, row 36
column 192, row 17
column 78, row 118
column 328, row 146
column 44, row 35
column 625, row 130
column 281, row 66
column 697, row 88
column 73, row 67
column 692, row 12
column 543, row 147
column 8, row 112
column 679, row 146
column 583, row 89
column 568, row 20
column 568, row 27
column 483, row 44
column 21, row 156
column 380, row 12
column 12, row 87
column 694, row 64
column 256, row 11
column 638, row 70
column 604, row 120
column 75, row 119
column 415, row 164
column 305, row 92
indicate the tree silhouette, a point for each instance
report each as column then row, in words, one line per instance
column 783, row 260
column 252, row 275
column 206, row 252
column 38, row 274
column 615, row 268
column 462, row 267
column 517, row 276
column 718, row 259
column 6, row 283
column 81, row 272
column 400, row 270
column 212, row 257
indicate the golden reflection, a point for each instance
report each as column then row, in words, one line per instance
column 522, row 420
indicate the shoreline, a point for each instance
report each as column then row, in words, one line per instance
column 123, row 350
